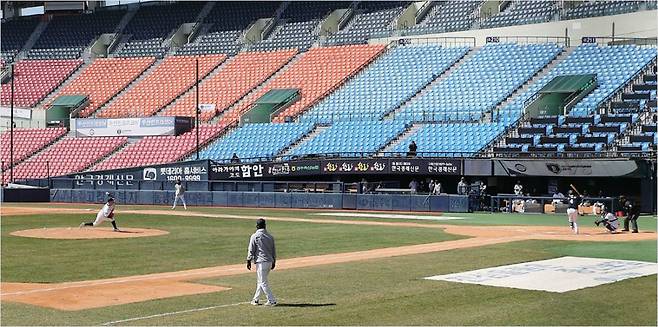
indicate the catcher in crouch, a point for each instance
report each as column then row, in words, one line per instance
column 106, row 213
column 609, row 221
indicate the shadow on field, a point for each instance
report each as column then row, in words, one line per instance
column 305, row 305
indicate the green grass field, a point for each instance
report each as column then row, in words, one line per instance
column 387, row 291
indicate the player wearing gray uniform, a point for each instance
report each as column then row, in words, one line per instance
column 609, row 221
column 106, row 213
column 180, row 194
column 263, row 253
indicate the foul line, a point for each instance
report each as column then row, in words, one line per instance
column 173, row 313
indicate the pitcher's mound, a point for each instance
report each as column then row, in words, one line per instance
column 75, row 233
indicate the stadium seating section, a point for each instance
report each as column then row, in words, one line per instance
column 152, row 150
column 602, row 8
column 523, row 12
column 391, row 80
column 450, row 139
column 67, row 156
column 355, row 98
column 613, row 66
column 103, row 79
column 228, row 20
column 256, row 141
column 14, row 34
column 27, row 142
column 233, row 81
column 373, row 19
column 169, row 79
column 352, row 138
column 66, row 37
column 317, row 73
column 153, row 23
column 483, row 81
column 37, row 78
column 448, row 16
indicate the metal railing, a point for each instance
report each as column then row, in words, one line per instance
column 564, row 41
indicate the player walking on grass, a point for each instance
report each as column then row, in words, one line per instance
column 105, row 214
column 180, row 194
column 263, row 253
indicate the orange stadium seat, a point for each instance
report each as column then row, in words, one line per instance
column 245, row 72
column 316, row 74
column 35, row 79
column 27, row 142
column 67, row 156
column 152, row 150
column 173, row 76
column 104, row 78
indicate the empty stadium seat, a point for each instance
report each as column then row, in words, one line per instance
column 153, row 23
column 169, row 79
column 66, row 36
column 233, row 81
column 371, row 20
column 152, row 150
column 27, row 142
column 351, row 138
column 103, row 79
column 483, row 81
column 67, row 156
column 14, row 34
column 384, row 85
column 256, row 141
column 316, row 74
column 448, row 16
column 35, row 79
column 601, row 8
column 523, row 12
column 451, row 140
column 613, row 66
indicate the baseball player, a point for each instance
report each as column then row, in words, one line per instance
column 180, row 191
column 572, row 211
column 106, row 213
column 609, row 221
column 632, row 214
column 263, row 253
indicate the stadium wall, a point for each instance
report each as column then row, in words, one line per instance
column 397, row 202
column 641, row 24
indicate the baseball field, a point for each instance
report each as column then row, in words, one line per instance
column 333, row 268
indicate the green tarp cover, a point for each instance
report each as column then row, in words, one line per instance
column 568, row 83
column 277, row 96
column 70, row 100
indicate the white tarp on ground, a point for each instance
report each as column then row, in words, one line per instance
column 555, row 275
column 386, row 216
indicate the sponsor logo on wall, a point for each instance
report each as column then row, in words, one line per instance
column 573, row 167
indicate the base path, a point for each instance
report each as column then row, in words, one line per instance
column 113, row 291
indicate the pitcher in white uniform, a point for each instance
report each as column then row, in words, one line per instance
column 105, row 214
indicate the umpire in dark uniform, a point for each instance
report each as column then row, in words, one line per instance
column 632, row 214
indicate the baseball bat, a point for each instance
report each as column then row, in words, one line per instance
column 427, row 198
column 575, row 190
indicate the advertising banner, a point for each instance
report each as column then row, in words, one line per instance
column 337, row 167
column 565, row 167
column 127, row 178
column 149, row 126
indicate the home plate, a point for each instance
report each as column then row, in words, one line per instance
column 555, row 275
column 386, row 216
